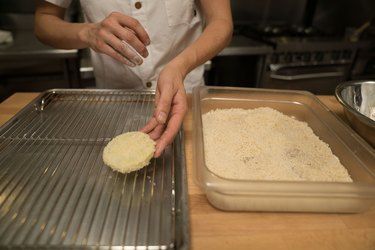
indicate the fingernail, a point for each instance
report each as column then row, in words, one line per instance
column 158, row 152
column 137, row 60
column 162, row 117
column 147, row 42
column 131, row 64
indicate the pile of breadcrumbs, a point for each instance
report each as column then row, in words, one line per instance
column 264, row 144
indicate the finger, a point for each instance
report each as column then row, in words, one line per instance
column 163, row 105
column 153, row 129
column 157, row 97
column 106, row 49
column 130, row 38
column 113, row 25
column 123, row 48
column 129, row 52
column 156, row 133
column 110, row 45
column 168, row 136
column 150, row 125
column 135, row 25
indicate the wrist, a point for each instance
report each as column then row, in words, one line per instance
column 178, row 66
column 83, row 34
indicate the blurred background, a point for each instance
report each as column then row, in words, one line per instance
column 285, row 44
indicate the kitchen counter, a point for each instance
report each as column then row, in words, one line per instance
column 244, row 46
column 215, row 229
column 26, row 46
column 36, row 60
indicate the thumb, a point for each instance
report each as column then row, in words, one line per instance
column 163, row 107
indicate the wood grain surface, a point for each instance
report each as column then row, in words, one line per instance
column 215, row 229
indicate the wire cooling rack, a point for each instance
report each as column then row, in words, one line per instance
column 56, row 192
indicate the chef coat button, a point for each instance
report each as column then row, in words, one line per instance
column 138, row 5
column 148, row 84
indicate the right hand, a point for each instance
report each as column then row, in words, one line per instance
column 118, row 36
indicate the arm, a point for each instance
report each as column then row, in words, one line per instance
column 112, row 36
column 171, row 104
column 51, row 29
column 216, row 35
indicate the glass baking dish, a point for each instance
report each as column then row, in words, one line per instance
column 288, row 196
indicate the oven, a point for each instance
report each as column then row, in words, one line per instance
column 310, row 47
column 302, row 58
column 315, row 68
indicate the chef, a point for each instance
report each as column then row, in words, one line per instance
column 144, row 44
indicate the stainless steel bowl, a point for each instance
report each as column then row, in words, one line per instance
column 358, row 100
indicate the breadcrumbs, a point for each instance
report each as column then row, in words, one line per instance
column 265, row 144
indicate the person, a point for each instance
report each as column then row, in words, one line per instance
column 159, row 44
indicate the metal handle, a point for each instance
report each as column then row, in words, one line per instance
column 277, row 66
column 306, row 76
column 208, row 65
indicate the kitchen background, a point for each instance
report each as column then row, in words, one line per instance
column 285, row 44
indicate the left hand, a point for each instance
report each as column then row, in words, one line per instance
column 171, row 107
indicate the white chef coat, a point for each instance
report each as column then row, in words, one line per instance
column 171, row 25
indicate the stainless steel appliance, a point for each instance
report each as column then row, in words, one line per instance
column 303, row 58
column 310, row 40
column 316, row 66
column 25, row 63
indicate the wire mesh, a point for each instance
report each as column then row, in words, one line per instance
column 56, row 192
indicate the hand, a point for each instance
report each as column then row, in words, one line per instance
column 171, row 107
column 119, row 36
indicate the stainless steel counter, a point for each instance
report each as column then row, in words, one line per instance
column 239, row 64
column 28, row 65
column 243, row 46
column 26, row 46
